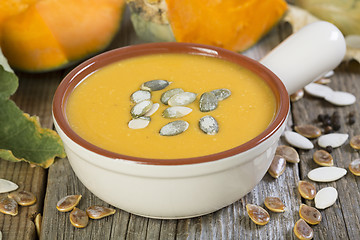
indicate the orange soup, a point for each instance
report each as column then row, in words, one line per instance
column 98, row 109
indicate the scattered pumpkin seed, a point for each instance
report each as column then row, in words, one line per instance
column 309, row 214
column 274, row 204
column 79, row 218
column 289, row 153
column 168, row 94
column 67, row 203
column 9, row 206
column 302, row 230
column 139, row 123
column 299, row 94
column 221, row 94
column 323, row 158
column 182, row 99
column 318, row 90
column 97, row 212
column 326, row 197
column 23, row 198
column 323, row 81
column 208, row 102
column 277, row 166
column 309, row 131
column 297, row 140
column 174, row 128
column 326, row 174
column 332, row 139
column 355, row 142
column 176, row 112
column 341, row 98
column 140, row 96
column 141, row 108
column 37, row 222
column 209, row 125
column 155, row 85
column 7, row 186
column 257, row 214
column 307, row 190
column 152, row 110
column 354, row 167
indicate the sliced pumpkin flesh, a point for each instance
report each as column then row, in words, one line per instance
column 232, row 24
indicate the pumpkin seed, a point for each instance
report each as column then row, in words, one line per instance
column 168, row 94
column 221, row 94
column 67, row 203
column 354, row 167
column 152, row 110
column 79, row 218
column 299, row 94
column 323, row 158
column 182, row 99
column 257, row 214
column 332, row 139
column 141, row 108
column 174, row 128
column 7, row 186
column 309, row 131
column 307, row 190
column 140, row 96
column 341, row 98
column 37, row 222
column 274, row 204
column 155, row 85
column 326, row 174
column 318, row 90
column 289, row 153
column 23, row 198
column 329, row 74
column 208, row 102
column 355, row 142
column 302, row 230
column 139, row 123
column 176, row 112
column 309, row 214
column 277, row 166
column 209, row 125
column 326, row 197
column 323, row 81
column 297, row 140
column 97, row 212
column 9, row 206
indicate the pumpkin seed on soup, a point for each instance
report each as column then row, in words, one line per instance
column 97, row 212
column 274, row 204
column 323, row 158
column 79, row 218
column 168, row 94
column 302, row 230
column 208, row 102
column 155, row 85
column 141, row 108
column 174, row 128
column 139, row 123
column 310, row 214
column 176, row 112
column 140, row 96
column 182, row 99
column 9, row 206
column 23, row 198
column 309, row 131
column 289, row 153
column 355, row 142
column 209, row 125
column 67, row 203
column 277, row 166
column 257, row 214
column 307, row 190
column 221, row 94
column 354, row 167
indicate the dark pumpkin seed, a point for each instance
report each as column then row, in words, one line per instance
column 141, row 108
column 174, row 128
column 182, row 99
column 168, row 94
column 140, row 96
column 208, row 102
column 221, row 94
column 155, row 85
column 209, row 125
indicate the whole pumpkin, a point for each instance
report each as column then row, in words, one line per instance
column 43, row 35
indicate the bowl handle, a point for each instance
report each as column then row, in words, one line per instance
column 306, row 55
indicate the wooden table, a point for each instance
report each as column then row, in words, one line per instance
column 341, row 221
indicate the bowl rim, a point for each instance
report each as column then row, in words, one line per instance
column 79, row 73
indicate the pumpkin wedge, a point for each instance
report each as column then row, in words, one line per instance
column 231, row 24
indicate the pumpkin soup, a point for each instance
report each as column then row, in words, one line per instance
column 99, row 108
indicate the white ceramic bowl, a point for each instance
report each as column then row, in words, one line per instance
column 181, row 188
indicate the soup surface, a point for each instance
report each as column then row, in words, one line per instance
column 99, row 107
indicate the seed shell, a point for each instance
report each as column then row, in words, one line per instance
column 297, row 140
column 323, row 81
column 221, row 94
column 341, row 98
column 79, row 218
column 140, row 96
column 182, row 99
column 209, row 125
column 174, row 128
column 277, row 166
column 97, row 212
column 289, row 153
column 354, row 167
column 155, row 85
column 7, row 186
column 309, row 214
column 355, row 142
column 302, row 230
column 307, row 190
column 67, row 203
column 332, row 139
column 208, row 102
column 326, row 174
column 23, row 198
column 176, row 112
column 168, row 94
column 37, row 221
column 323, row 158
column 326, row 197
column 141, row 108
column 9, row 206
column 139, row 123
column 309, row 131
column 299, row 94
column 152, row 110
column 274, row 204
column 318, row 90
column 257, row 214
